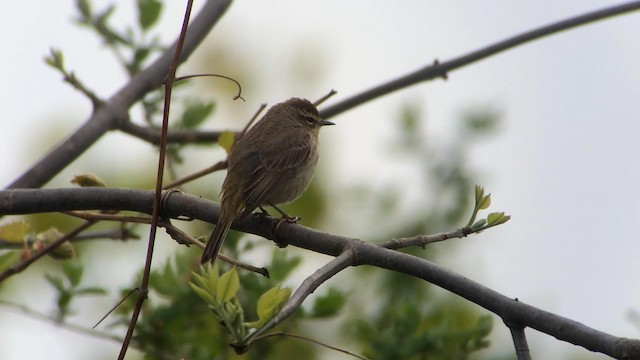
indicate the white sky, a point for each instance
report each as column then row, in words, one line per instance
column 564, row 164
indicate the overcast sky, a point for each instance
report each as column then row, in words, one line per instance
column 564, row 163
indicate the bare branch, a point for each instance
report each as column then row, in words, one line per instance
column 309, row 285
column 422, row 240
column 442, row 69
column 520, row 342
column 152, row 135
column 114, row 111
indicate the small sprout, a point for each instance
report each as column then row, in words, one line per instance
column 226, row 140
column 88, row 180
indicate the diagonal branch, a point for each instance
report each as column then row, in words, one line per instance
column 309, row 285
column 152, row 135
column 114, row 112
column 442, row 69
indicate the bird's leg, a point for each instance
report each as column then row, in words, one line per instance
column 285, row 217
column 276, row 225
column 263, row 212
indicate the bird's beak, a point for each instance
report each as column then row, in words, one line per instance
column 326, row 122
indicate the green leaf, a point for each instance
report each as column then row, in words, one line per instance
column 478, row 121
column 65, row 251
column 282, row 265
column 55, row 59
column 56, row 282
column 15, row 231
column 199, row 281
column 140, row 55
column 497, row 218
column 479, row 194
column 73, row 271
column 238, row 318
column 269, row 304
column 228, row 286
column 91, row 291
column 148, row 13
column 226, row 140
column 485, row 202
column 195, row 114
column 88, row 180
column 8, row 259
column 64, row 299
column 329, row 304
column 204, row 294
column 478, row 224
column 84, row 6
column 50, row 235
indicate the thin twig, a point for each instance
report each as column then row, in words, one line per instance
column 282, row 333
column 124, row 298
column 251, row 121
column 152, row 135
column 19, row 267
column 220, row 165
column 157, row 201
column 324, row 98
column 238, row 96
column 78, row 85
column 87, row 215
column 72, row 327
column 422, row 240
column 184, row 238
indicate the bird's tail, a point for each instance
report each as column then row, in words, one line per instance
column 216, row 239
column 229, row 208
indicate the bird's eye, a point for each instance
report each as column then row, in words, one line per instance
column 310, row 120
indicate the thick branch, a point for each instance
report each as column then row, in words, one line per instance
column 114, row 112
column 176, row 204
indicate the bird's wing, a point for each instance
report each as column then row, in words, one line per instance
column 273, row 167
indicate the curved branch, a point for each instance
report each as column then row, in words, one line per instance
column 176, row 204
column 442, row 69
column 114, row 112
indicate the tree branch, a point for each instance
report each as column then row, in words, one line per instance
column 177, row 204
column 520, row 342
column 442, row 69
column 152, row 135
column 114, row 112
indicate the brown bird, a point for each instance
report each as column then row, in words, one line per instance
column 272, row 164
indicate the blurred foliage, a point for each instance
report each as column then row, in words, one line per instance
column 182, row 317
